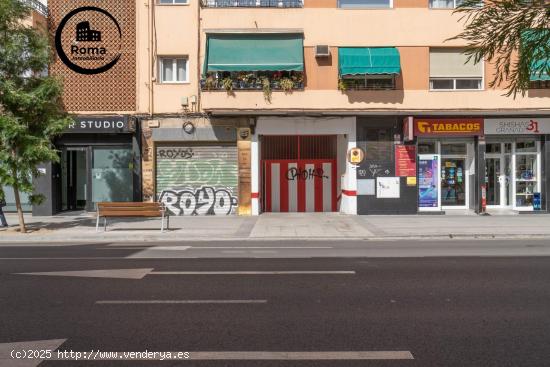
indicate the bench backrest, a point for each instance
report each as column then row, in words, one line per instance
column 146, row 209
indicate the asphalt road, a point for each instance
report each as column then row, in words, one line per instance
column 443, row 311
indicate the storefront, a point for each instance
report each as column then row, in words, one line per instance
column 386, row 177
column 196, row 170
column 447, row 162
column 99, row 161
column 514, row 152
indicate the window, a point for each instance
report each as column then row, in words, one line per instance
column 173, row 2
column 365, row 4
column 174, row 70
column 451, row 70
column 369, row 82
column 444, row 4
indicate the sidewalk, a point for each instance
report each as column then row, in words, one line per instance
column 300, row 226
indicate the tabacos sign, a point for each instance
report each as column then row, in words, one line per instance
column 517, row 126
column 448, row 127
column 89, row 40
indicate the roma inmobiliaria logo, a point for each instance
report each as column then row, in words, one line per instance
column 89, row 40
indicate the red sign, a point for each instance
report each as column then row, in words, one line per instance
column 405, row 160
column 448, row 127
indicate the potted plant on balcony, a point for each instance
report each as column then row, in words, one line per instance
column 266, row 87
column 298, row 79
column 227, row 84
column 342, row 87
column 287, row 85
column 209, row 82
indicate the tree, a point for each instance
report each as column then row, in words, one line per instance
column 513, row 34
column 31, row 111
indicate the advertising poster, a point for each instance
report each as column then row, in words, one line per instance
column 405, row 160
column 427, row 183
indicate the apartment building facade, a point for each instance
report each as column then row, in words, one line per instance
column 232, row 107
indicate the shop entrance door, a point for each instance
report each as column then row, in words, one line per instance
column 73, row 179
column 498, row 179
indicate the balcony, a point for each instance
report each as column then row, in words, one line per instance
column 253, row 3
column 259, row 81
column 37, row 5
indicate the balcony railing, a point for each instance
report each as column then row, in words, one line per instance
column 38, row 6
column 257, row 80
column 253, row 3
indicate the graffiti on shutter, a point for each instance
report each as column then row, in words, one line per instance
column 198, row 180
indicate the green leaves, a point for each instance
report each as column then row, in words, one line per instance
column 31, row 112
column 497, row 32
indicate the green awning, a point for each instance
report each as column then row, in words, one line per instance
column 255, row 52
column 368, row 60
column 537, row 41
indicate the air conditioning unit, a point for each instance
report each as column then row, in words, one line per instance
column 322, row 51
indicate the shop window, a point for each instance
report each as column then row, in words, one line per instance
column 365, row 4
column 526, row 146
column 380, row 143
column 427, row 147
column 174, row 70
column 450, row 69
column 369, row 82
column 492, row 148
column 454, row 149
column 507, row 147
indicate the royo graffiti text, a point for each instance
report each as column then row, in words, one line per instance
column 203, row 201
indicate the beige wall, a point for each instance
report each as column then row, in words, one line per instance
column 420, row 101
column 410, row 3
column 321, row 73
column 320, row 3
column 415, row 67
column 345, row 27
column 174, row 33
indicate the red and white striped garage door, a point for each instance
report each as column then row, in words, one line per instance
column 300, row 185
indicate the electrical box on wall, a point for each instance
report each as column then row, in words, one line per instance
column 184, row 101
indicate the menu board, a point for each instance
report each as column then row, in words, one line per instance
column 427, row 182
column 405, row 160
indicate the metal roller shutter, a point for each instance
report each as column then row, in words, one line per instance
column 197, row 180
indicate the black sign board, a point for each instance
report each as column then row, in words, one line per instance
column 100, row 124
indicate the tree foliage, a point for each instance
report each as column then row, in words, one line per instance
column 513, row 34
column 31, row 111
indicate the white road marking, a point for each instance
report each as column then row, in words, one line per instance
column 318, row 355
column 103, row 273
column 259, row 247
column 285, row 272
column 184, row 301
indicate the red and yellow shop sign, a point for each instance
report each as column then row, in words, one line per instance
column 448, row 127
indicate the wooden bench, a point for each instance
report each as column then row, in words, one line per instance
column 128, row 210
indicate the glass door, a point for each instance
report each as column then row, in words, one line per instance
column 493, row 176
column 454, row 175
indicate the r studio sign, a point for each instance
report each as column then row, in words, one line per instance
column 115, row 124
